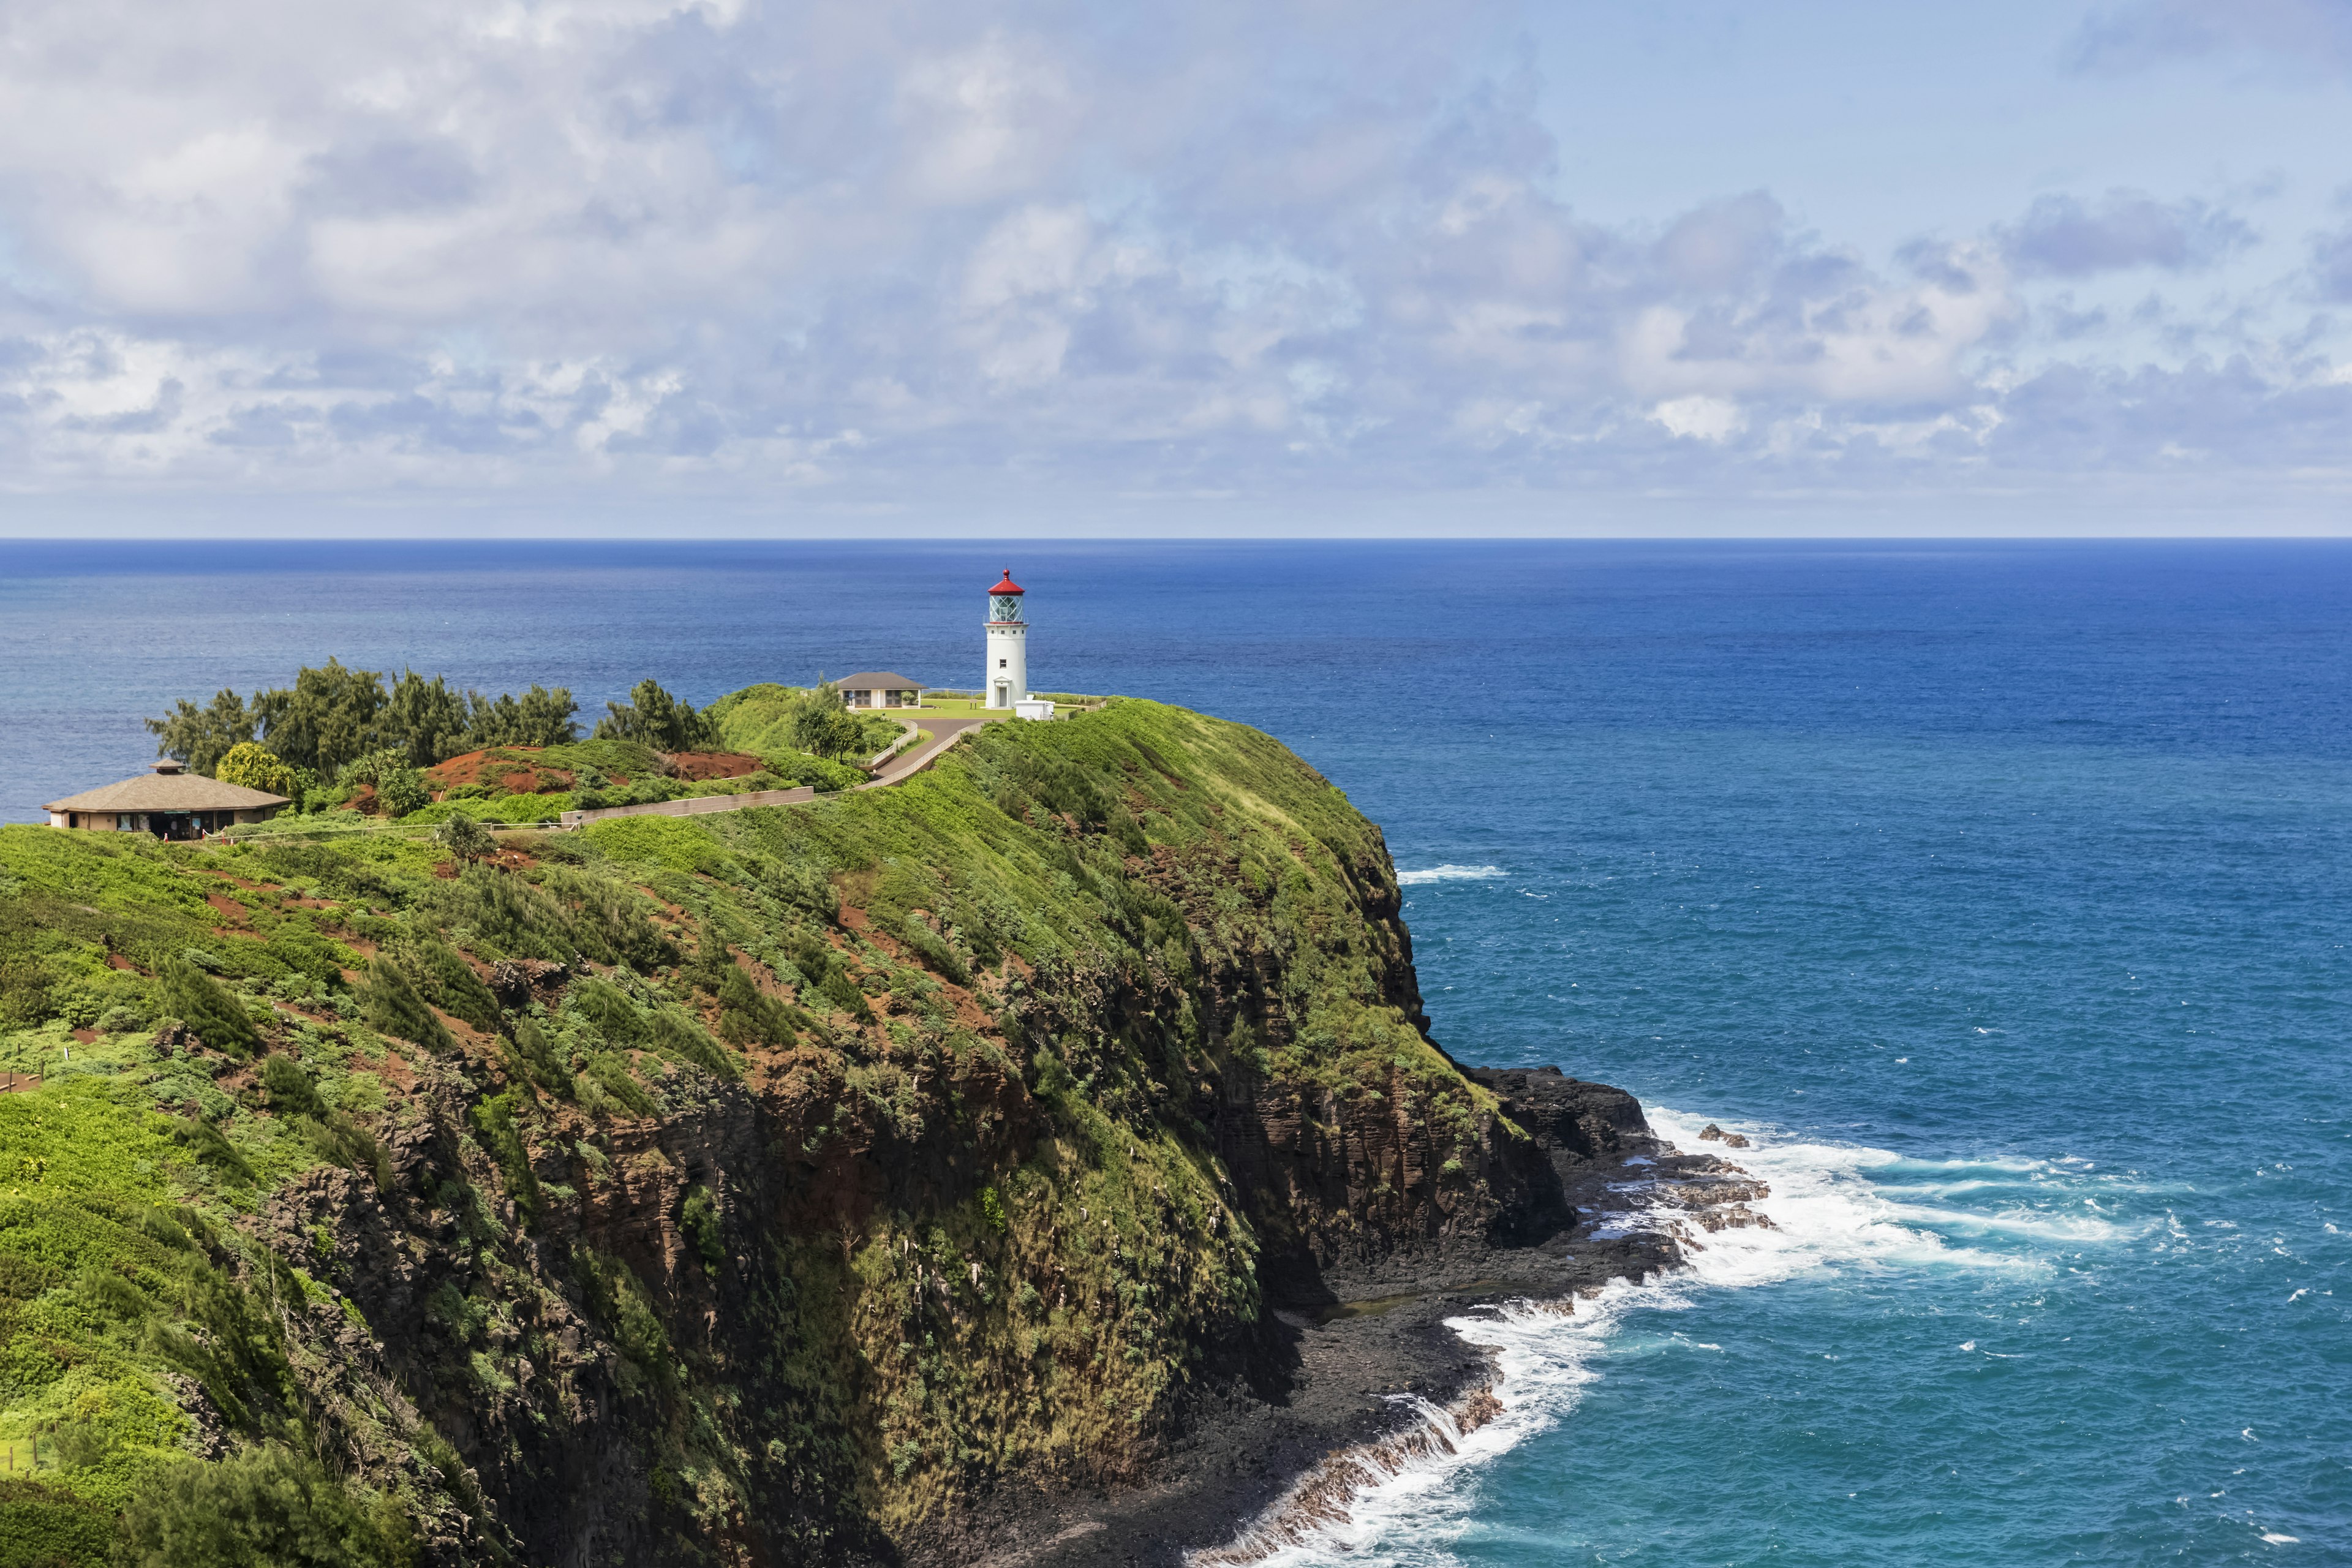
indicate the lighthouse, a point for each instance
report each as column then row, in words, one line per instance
column 1008, row 645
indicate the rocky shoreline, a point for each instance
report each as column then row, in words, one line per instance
column 1345, row 1388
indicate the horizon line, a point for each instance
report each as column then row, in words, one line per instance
column 994, row 540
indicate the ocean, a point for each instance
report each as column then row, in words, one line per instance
column 1998, row 891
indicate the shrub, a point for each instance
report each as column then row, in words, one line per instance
column 530, row 1058
column 829, row 979
column 449, row 982
column 89, row 999
column 41, row 1525
column 494, row 1125
column 675, row 1035
column 625, row 1307
column 394, row 1007
column 255, row 767
column 508, row 916
column 290, row 1090
column 748, row 1016
column 699, row 1222
column 211, row 1147
column 399, row 788
column 208, row 1007
column 615, row 1015
column 402, row 791
column 609, row 1070
column 934, row 951
column 23, row 990
column 266, row 1506
column 330, row 1133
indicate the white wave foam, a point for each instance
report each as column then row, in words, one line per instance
column 2015, row 1222
column 1827, row 1212
column 1406, row 1516
column 1449, row 874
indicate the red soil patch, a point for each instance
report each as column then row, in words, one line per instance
column 696, row 766
column 230, row 910
column 510, row 768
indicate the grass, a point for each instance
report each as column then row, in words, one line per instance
column 999, row 992
column 963, row 707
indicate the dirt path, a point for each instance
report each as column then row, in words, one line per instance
column 945, row 733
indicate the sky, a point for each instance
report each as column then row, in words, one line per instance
column 855, row 267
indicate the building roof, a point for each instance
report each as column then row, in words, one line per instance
column 168, row 788
column 878, row 680
column 1008, row 585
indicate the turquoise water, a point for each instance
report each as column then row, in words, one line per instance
column 1998, row 891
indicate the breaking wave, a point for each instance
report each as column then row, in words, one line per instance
column 1397, row 1500
column 1449, row 874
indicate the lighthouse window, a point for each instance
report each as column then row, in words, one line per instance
column 999, row 664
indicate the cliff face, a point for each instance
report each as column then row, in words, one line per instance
column 760, row 1187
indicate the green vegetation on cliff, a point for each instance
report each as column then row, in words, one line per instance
column 767, row 719
column 765, row 1183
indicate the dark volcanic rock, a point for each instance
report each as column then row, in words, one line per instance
column 1580, row 1128
column 1577, row 1122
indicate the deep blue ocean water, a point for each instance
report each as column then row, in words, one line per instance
column 2000, row 891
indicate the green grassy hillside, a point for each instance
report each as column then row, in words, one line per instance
column 756, row 1185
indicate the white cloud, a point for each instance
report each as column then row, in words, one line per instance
column 913, row 248
column 986, row 121
column 1705, row 419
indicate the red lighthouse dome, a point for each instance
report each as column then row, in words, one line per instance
column 1008, row 585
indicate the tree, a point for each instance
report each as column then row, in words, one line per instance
column 465, row 838
column 652, row 717
column 327, row 718
column 255, row 767
column 541, row 717
column 425, row 718
column 201, row 737
column 331, row 716
column 208, row 1007
column 822, row 725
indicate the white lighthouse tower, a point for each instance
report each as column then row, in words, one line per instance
column 1008, row 645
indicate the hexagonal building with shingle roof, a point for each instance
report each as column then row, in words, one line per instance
column 169, row 802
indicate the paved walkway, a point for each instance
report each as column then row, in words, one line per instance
column 945, row 733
